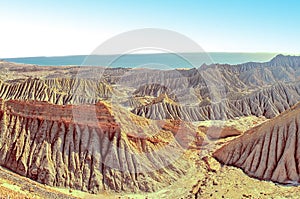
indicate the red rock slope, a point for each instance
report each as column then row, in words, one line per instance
column 80, row 147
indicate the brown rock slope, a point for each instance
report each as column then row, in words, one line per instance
column 82, row 147
column 57, row 90
column 270, row 151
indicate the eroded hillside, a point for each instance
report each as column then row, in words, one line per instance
column 82, row 147
column 269, row 151
column 98, row 129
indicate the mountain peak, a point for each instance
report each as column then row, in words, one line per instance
column 285, row 60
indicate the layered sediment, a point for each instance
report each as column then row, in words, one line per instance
column 81, row 147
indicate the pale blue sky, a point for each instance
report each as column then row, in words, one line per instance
column 61, row 27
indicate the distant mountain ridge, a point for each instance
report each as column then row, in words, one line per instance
column 278, row 60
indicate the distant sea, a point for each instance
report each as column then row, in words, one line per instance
column 164, row 60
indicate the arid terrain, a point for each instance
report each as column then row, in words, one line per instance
column 218, row 131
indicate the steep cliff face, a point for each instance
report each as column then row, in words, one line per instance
column 269, row 151
column 81, row 147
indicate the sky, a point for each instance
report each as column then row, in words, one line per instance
column 72, row 27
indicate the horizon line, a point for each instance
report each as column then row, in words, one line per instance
column 155, row 53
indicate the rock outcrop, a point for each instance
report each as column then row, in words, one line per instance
column 219, row 132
